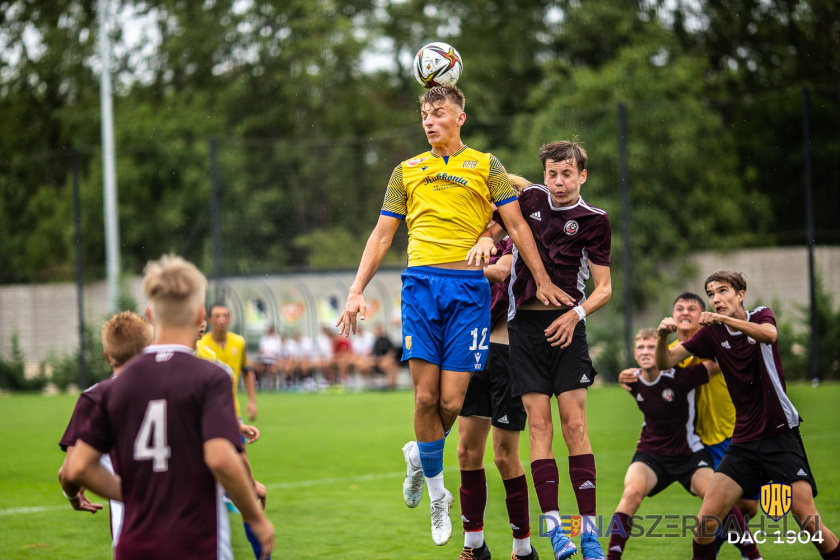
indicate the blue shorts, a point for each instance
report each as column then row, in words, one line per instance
column 717, row 450
column 446, row 317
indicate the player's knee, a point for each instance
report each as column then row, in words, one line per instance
column 540, row 428
column 426, row 400
column 469, row 458
column 709, row 525
column 633, row 494
column 574, row 431
column 506, row 460
column 451, row 406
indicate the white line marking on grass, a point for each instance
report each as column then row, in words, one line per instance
column 21, row 510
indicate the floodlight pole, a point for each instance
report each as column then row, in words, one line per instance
column 109, row 174
column 809, row 220
column 626, row 253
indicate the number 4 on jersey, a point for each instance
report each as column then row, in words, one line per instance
column 153, row 428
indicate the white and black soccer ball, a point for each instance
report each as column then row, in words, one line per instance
column 437, row 64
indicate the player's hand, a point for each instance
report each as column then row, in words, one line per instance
column 250, row 433
column 560, row 332
column 251, row 409
column 264, row 531
column 550, row 294
column 481, row 252
column 355, row 306
column 81, row 503
column 707, row 318
column 667, row 326
column 259, row 488
column 628, row 376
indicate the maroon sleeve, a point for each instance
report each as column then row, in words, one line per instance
column 700, row 344
column 762, row 316
column 692, row 376
column 97, row 431
column 218, row 416
column 600, row 243
column 82, row 411
column 505, row 246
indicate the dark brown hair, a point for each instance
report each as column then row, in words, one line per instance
column 564, row 150
column 438, row 95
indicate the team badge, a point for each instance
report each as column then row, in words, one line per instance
column 408, row 342
column 571, row 227
column 415, row 161
column 751, row 340
column 668, row 395
column 776, row 499
column 470, row 164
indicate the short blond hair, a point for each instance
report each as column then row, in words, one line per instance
column 175, row 289
column 646, row 333
column 518, row 182
column 124, row 336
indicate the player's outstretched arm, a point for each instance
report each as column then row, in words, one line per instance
column 84, row 469
column 560, row 332
column 229, row 469
column 667, row 358
column 628, row 376
column 73, row 492
column 375, row 249
column 763, row 333
column 522, row 237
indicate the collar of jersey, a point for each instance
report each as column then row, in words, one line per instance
column 432, row 151
column 154, row 348
column 551, row 204
column 649, row 383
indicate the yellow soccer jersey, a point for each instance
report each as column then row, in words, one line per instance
column 446, row 202
column 715, row 411
column 233, row 355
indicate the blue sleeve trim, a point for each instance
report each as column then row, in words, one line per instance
column 505, row 201
column 392, row 214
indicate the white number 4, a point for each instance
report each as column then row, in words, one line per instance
column 479, row 345
column 153, row 428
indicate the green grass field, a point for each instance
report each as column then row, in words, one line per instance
column 333, row 467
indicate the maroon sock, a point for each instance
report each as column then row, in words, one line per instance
column 582, row 474
column 704, row 551
column 516, row 498
column 473, row 499
column 833, row 555
column 617, row 541
column 546, row 485
column 748, row 549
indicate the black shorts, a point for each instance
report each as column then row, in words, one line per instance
column 674, row 469
column 780, row 458
column 489, row 393
column 538, row 367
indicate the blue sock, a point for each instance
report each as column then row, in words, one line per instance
column 255, row 543
column 431, row 457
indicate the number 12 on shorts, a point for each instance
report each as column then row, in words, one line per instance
column 479, row 344
column 153, row 428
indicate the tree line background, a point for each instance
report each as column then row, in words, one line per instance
column 304, row 107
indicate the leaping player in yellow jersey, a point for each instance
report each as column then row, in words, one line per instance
column 445, row 196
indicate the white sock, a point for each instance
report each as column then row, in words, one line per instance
column 436, row 488
column 473, row 539
column 522, row 547
column 552, row 519
column 414, row 457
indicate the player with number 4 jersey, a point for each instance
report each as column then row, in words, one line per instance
column 168, row 421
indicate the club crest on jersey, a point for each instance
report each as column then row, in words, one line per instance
column 415, row 161
column 571, row 227
column 668, row 395
column 751, row 340
column 470, row 164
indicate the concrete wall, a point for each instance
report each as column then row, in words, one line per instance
column 45, row 317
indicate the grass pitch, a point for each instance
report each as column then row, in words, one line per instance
column 333, row 468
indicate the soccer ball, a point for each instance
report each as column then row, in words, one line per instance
column 437, row 64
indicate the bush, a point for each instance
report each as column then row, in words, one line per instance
column 12, row 371
column 65, row 369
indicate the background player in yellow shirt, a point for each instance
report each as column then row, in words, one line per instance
column 445, row 196
column 229, row 347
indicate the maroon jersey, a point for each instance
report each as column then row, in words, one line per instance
column 668, row 406
column 754, row 376
column 568, row 239
column 499, row 290
column 155, row 417
column 84, row 407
